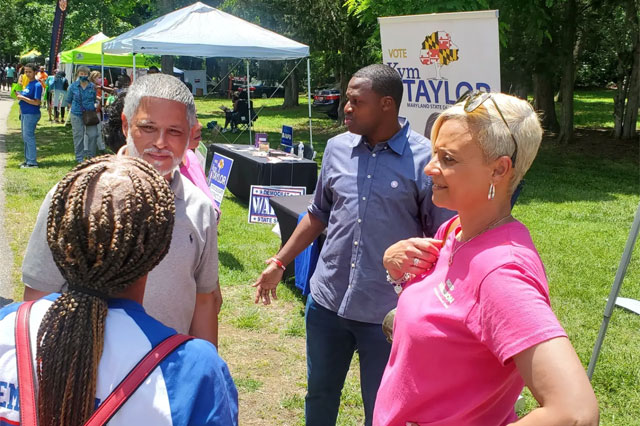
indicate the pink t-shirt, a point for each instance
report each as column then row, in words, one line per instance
column 457, row 328
column 190, row 168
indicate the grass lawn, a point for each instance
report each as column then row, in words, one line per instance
column 578, row 203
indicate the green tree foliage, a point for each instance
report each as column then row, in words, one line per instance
column 8, row 31
column 27, row 24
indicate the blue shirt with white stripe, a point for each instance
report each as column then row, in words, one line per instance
column 192, row 386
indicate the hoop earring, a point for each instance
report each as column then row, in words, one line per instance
column 492, row 192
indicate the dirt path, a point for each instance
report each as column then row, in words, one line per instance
column 6, row 256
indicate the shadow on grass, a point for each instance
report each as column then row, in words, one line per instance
column 229, row 261
column 291, row 284
column 594, row 167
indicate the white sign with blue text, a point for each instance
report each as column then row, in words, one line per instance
column 219, row 176
column 439, row 57
column 260, row 211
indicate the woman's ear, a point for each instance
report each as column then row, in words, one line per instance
column 502, row 169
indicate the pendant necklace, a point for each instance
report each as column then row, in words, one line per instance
column 491, row 226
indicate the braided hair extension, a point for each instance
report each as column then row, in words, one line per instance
column 110, row 223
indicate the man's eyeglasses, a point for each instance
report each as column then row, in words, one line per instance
column 473, row 99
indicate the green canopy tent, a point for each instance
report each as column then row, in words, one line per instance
column 90, row 54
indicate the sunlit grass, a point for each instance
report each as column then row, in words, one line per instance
column 577, row 203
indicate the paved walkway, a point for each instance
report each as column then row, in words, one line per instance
column 6, row 256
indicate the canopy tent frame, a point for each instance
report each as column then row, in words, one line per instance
column 133, row 42
column 615, row 289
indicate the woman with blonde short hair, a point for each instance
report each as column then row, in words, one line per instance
column 476, row 325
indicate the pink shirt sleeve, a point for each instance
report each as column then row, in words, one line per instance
column 513, row 312
column 192, row 170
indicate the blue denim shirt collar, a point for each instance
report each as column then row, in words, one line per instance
column 397, row 141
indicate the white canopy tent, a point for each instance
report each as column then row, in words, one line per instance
column 203, row 31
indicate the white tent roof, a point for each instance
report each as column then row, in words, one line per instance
column 203, row 31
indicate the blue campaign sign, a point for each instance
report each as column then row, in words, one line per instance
column 260, row 211
column 219, row 176
column 287, row 138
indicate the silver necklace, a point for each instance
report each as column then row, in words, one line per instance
column 491, row 226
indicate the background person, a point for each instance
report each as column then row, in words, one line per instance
column 470, row 333
column 42, row 76
column 59, row 87
column 3, row 76
column 49, row 94
column 231, row 115
column 81, row 96
column 30, row 99
column 94, row 333
column 192, row 169
column 22, row 78
column 11, row 75
column 101, row 84
column 371, row 193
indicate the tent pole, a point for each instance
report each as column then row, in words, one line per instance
column 309, row 101
column 615, row 289
column 134, row 67
column 249, row 101
column 102, row 83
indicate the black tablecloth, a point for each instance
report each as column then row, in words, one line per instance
column 250, row 170
column 288, row 210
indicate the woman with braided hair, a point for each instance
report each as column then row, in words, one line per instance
column 110, row 222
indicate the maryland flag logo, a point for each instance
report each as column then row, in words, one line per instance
column 438, row 50
column 220, row 164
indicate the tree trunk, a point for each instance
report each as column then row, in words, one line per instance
column 543, row 101
column 619, row 99
column 291, row 91
column 167, row 64
column 630, row 120
column 568, row 74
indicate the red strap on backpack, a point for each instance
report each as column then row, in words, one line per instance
column 28, row 411
column 111, row 405
column 134, row 379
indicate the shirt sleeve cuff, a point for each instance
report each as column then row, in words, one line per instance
column 319, row 214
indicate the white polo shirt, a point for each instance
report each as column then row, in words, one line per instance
column 190, row 267
column 192, row 386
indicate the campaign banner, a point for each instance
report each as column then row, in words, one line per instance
column 440, row 57
column 287, row 138
column 260, row 211
column 56, row 34
column 219, row 176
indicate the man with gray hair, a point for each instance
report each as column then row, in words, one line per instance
column 183, row 292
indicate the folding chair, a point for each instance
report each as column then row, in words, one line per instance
column 242, row 120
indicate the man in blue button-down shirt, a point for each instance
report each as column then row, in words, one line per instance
column 371, row 193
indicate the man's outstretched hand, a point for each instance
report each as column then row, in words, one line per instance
column 267, row 283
